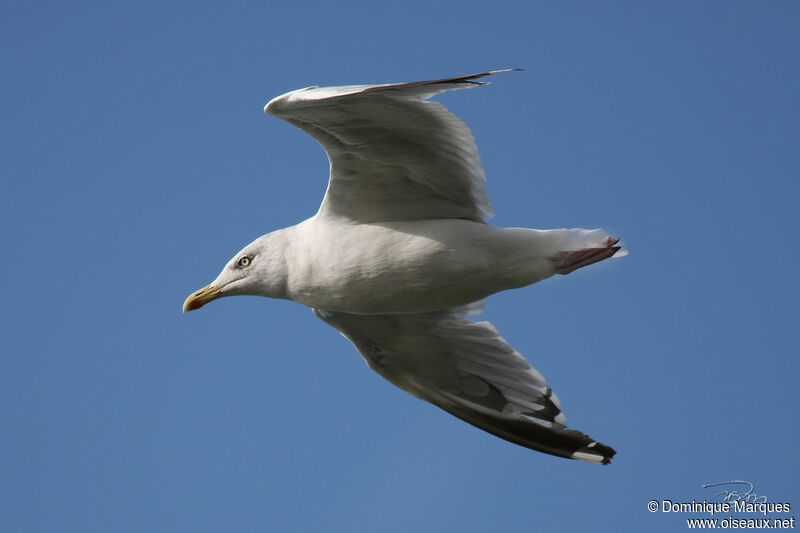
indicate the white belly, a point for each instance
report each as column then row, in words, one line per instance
column 410, row 266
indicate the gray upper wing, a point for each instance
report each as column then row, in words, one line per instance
column 470, row 371
column 393, row 155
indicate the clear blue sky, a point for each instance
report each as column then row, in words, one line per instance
column 135, row 160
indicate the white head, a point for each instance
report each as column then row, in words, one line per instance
column 259, row 269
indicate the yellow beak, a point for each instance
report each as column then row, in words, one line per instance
column 199, row 298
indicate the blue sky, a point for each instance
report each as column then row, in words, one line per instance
column 136, row 160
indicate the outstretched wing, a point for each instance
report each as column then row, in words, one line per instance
column 470, row 371
column 393, row 155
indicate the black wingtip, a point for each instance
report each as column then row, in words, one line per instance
column 595, row 452
column 471, row 78
column 489, row 73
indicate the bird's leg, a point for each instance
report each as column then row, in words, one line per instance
column 568, row 261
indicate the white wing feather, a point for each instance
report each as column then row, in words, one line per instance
column 470, row 371
column 393, row 155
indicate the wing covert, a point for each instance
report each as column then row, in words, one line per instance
column 393, row 154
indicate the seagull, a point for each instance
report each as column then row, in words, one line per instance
column 399, row 256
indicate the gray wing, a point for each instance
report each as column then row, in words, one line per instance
column 470, row 371
column 393, row 155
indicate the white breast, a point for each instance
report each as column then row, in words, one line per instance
column 406, row 266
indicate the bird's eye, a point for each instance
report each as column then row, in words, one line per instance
column 244, row 261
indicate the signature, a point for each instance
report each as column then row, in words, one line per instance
column 732, row 495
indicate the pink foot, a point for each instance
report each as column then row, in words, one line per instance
column 566, row 262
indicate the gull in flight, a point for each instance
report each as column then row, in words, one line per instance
column 399, row 254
